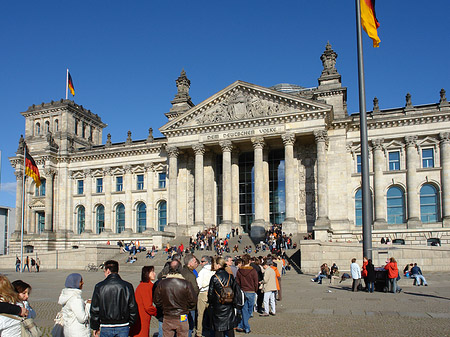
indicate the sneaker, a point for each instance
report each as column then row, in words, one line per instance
column 426, row 285
column 271, row 313
column 240, row 330
column 312, row 280
column 264, row 315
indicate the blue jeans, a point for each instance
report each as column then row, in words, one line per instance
column 191, row 319
column 319, row 278
column 247, row 310
column 370, row 287
column 121, row 331
column 393, row 285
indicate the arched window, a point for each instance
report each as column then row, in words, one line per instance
column 47, row 126
column 358, row 207
column 141, row 217
column 429, row 203
column 120, row 218
column 100, row 219
column 38, row 129
column 162, row 215
column 80, row 219
column 56, row 125
column 40, row 191
column 395, row 205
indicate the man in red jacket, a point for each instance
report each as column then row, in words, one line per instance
column 247, row 278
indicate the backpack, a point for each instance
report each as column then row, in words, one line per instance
column 226, row 295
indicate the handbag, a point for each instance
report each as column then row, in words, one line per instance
column 27, row 326
column 58, row 328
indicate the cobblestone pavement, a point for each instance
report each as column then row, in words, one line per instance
column 306, row 309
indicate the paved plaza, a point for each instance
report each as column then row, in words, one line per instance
column 306, row 309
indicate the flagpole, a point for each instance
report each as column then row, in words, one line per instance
column 67, row 83
column 366, row 195
column 23, row 207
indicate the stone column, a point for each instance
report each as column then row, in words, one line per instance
column 127, row 186
column 379, row 166
column 33, row 222
column 19, row 190
column 445, row 177
column 110, row 223
column 290, row 223
column 71, row 216
column 151, row 223
column 412, row 163
column 321, row 137
column 266, row 186
column 258, row 224
column 199, row 150
column 225, row 226
column 235, row 189
column 173, row 172
column 89, row 222
column 49, row 174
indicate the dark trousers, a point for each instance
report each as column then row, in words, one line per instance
column 355, row 284
column 229, row 333
column 173, row 324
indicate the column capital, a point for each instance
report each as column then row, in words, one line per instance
column 199, row 149
column 226, row 145
column 377, row 144
column 411, row 141
column 87, row 173
column 18, row 174
column 173, row 151
column 321, row 135
column 49, row 172
column 288, row 139
column 149, row 167
column 258, row 142
column 107, row 171
column 445, row 137
column 127, row 168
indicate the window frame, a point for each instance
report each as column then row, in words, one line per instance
column 139, row 182
column 119, row 185
column 358, row 163
column 162, row 182
column 80, row 186
column 394, row 215
column 425, row 216
column 99, row 185
column 394, row 164
column 426, row 161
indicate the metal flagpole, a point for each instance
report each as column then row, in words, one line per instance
column 23, row 207
column 67, row 83
column 366, row 195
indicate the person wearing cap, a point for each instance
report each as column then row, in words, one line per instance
column 75, row 311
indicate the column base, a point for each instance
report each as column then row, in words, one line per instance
column 127, row 231
column 290, row 226
column 321, row 229
column 224, row 229
column 414, row 223
column 258, row 229
column 171, row 227
column 446, row 222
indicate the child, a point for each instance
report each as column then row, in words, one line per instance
column 24, row 290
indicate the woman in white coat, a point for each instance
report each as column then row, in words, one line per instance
column 75, row 310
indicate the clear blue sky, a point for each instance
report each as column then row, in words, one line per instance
column 124, row 56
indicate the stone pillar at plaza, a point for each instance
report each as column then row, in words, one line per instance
column 19, row 189
column 290, row 222
column 322, row 222
column 225, row 226
column 266, row 186
column 445, row 177
column 128, row 200
column 378, row 167
column 199, row 150
column 49, row 175
column 412, row 163
column 90, row 221
column 172, row 204
column 107, row 184
column 235, row 189
column 71, row 222
column 258, row 225
column 151, row 224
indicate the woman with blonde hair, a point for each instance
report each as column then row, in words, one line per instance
column 9, row 327
column 392, row 271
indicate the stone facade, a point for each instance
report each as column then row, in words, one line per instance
column 123, row 191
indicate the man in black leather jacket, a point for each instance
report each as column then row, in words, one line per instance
column 176, row 296
column 113, row 306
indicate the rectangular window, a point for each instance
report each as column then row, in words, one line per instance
column 80, row 186
column 140, row 181
column 119, row 184
column 99, row 186
column 162, row 180
column 427, row 158
column 358, row 163
column 394, row 161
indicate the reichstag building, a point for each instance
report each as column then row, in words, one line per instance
column 246, row 157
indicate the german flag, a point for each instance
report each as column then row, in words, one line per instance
column 369, row 21
column 32, row 170
column 70, row 84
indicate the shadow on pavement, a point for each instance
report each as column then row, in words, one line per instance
column 427, row 295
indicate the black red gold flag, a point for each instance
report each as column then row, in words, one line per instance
column 32, row 170
column 369, row 21
column 70, row 84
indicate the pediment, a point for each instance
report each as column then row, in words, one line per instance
column 37, row 203
column 242, row 102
